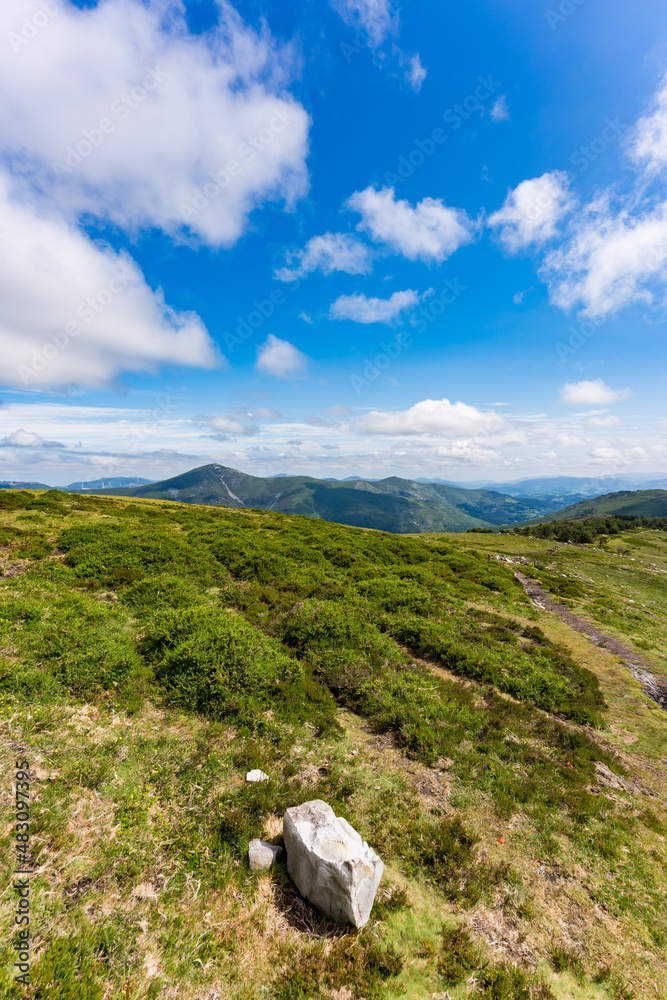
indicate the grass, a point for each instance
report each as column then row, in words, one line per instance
column 153, row 653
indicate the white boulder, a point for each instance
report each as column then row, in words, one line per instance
column 330, row 864
column 257, row 775
column 263, row 855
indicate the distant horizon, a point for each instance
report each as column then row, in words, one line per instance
column 631, row 478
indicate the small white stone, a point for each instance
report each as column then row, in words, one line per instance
column 256, row 775
column 263, row 855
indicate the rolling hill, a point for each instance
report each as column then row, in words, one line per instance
column 631, row 503
column 7, row 485
column 396, row 505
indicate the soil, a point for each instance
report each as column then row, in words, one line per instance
column 653, row 686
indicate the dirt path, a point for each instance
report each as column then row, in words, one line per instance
column 651, row 685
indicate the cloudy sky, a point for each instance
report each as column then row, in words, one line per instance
column 331, row 238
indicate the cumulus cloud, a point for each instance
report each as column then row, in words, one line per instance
column 119, row 111
column 432, row 417
column 591, row 393
column 532, row 211
column 611, row 260
column 361, row 309
column 280, row 358
column 27, row 439
column 77, row 313
column 616, row 251
column 328, row 253
column 429, row 231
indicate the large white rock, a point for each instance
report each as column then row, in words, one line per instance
column 330, row 864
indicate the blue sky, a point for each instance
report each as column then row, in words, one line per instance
column 340, row 237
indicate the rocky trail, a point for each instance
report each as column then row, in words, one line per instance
column 654, row 687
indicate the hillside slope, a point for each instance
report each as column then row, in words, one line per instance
column 507, row 771
column 630, row 503
column 393, row 504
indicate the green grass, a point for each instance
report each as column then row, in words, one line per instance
column 152, row 654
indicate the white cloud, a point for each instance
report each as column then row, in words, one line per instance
column 430, row 231
column 141, row 115
column 230, row 425
column 611, row 420
column 616, row 251
column 27, row 439
column 592, row 393
column 376, row 23
column 77, row 313
column 374, row 17
column 265, row 413
column 433, row 417
column 499, row 110
column 416, row 73
column 649, row 141
column 531, row 212
column 517, row 298
column 328, row 253
column 361, row 309
column 611, row 259
column 280, row 358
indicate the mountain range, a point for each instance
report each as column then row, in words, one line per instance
column 393, row 504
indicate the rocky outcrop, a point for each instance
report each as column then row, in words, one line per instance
column 331, row 866
column 262, row 855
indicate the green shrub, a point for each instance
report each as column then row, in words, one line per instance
column 164, row 591
column 507, row 982
column 459, row 956
column 213, row 661
column 79, row 642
